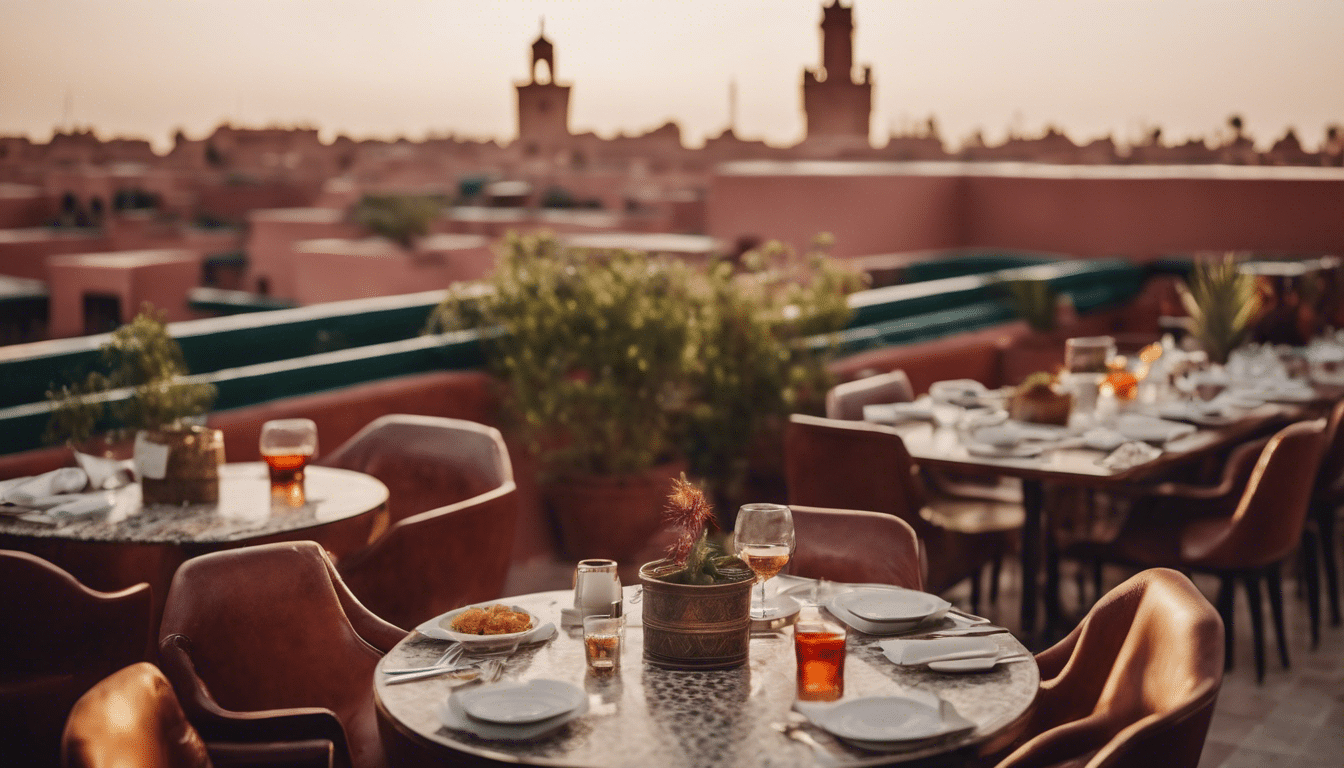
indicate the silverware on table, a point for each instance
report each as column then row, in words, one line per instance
column 798, row 733
column 448, row 659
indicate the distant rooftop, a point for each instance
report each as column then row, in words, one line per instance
column 299, row 215
column 123, row 259
column 377, row 247
column 698, row 245
column 36, row 234
column 1025, row 170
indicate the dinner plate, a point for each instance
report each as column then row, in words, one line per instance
column 888, row 720
column 439, row 628
column 1151, row 430
column 917, row 652
column 886, row 605
column 454, row 716
column 883, row 627
column 519, row 703
column 1020, row 451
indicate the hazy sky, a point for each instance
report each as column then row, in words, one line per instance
column 415, row 67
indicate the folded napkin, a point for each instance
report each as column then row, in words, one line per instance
column 1150, row 430
column 957, row 391
column 1130, row 454
column 71, row 507
column 916, row 652
column 891, row 413
column 34, row 489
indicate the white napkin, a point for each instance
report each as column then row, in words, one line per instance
column 920, row 651
column 1130, row 455
column 57, row 481
column 957, row 391
column 1150, row 430
column 891, row 413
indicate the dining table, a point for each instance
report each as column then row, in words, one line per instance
column 645, row 715
column 945, row 446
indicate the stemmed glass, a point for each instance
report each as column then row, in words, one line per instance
column 763, row 538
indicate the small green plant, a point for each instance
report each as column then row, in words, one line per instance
column 1035, row 301
column 142, row 362
column 399, row 218
column 1222, row 302
column 696, row 557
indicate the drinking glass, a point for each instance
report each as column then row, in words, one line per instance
column 602, row 643
column 763, row 538
column 819, row 647
column 597, row 588
column 287, row 445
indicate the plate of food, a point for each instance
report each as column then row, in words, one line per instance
column 484, row 627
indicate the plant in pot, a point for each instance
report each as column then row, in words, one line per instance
column 142, row 389
column 697, row 599
column 1223, row 304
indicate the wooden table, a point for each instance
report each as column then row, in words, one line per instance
column 134, row 542
column 942, row 447
column 645, row 716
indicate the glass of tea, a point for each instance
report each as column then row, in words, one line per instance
column 287, row 445
column 819, row 646
column 763, row 538
column 602, row 643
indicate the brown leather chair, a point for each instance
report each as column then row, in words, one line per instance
column 426, row 462
column 60, row 638
column 855, row 547
column 266, row 644
column 454, row 555
column 846, row 401
column 1133, row 685
column 1326, row 499
column 132, row 719
column 1247, row 545
column 856, row 465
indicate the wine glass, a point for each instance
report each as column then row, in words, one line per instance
column 287, row 445
column 763, row 538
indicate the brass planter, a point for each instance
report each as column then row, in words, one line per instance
column 190, row 473
column 693, row 627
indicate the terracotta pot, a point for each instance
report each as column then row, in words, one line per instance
column 179, row 466
column 692, row 626
column 1041, row 408
column 610, row 517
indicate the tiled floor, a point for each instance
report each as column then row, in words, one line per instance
column 1295, row 718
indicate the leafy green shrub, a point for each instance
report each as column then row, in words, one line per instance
column 399, row 218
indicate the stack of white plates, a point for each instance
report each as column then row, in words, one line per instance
column 513, row 711
column 888, row 723
column 887, row 611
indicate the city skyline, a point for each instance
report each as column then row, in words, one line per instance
column 419, row 68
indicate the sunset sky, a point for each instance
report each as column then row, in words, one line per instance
column 387, row 68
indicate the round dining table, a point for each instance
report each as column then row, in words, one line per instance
column 646, row 716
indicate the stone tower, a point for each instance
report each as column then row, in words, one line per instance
column 543, row 104
column 836, row 106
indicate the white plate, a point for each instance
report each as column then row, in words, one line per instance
column 917, row 652
column 1150, row 430
column 882, row 605
column 882, row 627
column 439, row 629
column 518, row 703
column 1022, row 451
column 887, row 720
column 454, row 716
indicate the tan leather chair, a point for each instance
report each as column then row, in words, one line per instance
column 454, row 555
column 266, row 644
column 856, row 465
column 426, row 462
column 855, row 547
column 1133, row 685
column 132, row 719
column 1247, row 545
column 846, row 400
column 60, row 638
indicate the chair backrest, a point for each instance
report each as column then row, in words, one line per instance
column 270, row 627
column 426, row 462
column 437, row 560
column 856, row 547
column 846, row 401
column 851, row 465
column 60, row 638
column 1267, row 523
column 131, row 719
column 1135, row 682
column 1331, row 471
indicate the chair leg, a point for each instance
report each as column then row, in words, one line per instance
column 975, row 591
column 1253, row 596
column 1274, row 585
column 1227, row 594
column 1311, row 578
column 995, row 573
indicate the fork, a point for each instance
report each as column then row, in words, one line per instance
column 799, row 734
column 448, row 659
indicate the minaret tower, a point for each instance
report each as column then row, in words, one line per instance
column 837, row 106
column 543, row 103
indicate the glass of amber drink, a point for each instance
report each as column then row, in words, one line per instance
column 287, row 445
column 819, row 646
column 602, row 644
column 763, row 538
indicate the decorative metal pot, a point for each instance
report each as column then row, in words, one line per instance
column 692, row 626
column 179, row 466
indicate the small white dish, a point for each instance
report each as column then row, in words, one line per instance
column 1022, row 451
column 440, row 628
column 888, row 721
column 454, row 716
column 885, row 605
column 882, row 627
column 520, row 703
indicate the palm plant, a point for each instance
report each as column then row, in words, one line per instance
column 1222, row 303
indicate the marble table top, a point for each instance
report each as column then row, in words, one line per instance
column 245, row 510
column 644, row 716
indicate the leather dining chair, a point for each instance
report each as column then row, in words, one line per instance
column 855, row 547
column 426, row 462
column 846, row 400
column 1249, row 544
column 60, row 638
column 857, row 465
column 266, row 644
column 1327, row 497
column 453, row 555
column 132, row 719
column 1133, row 685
